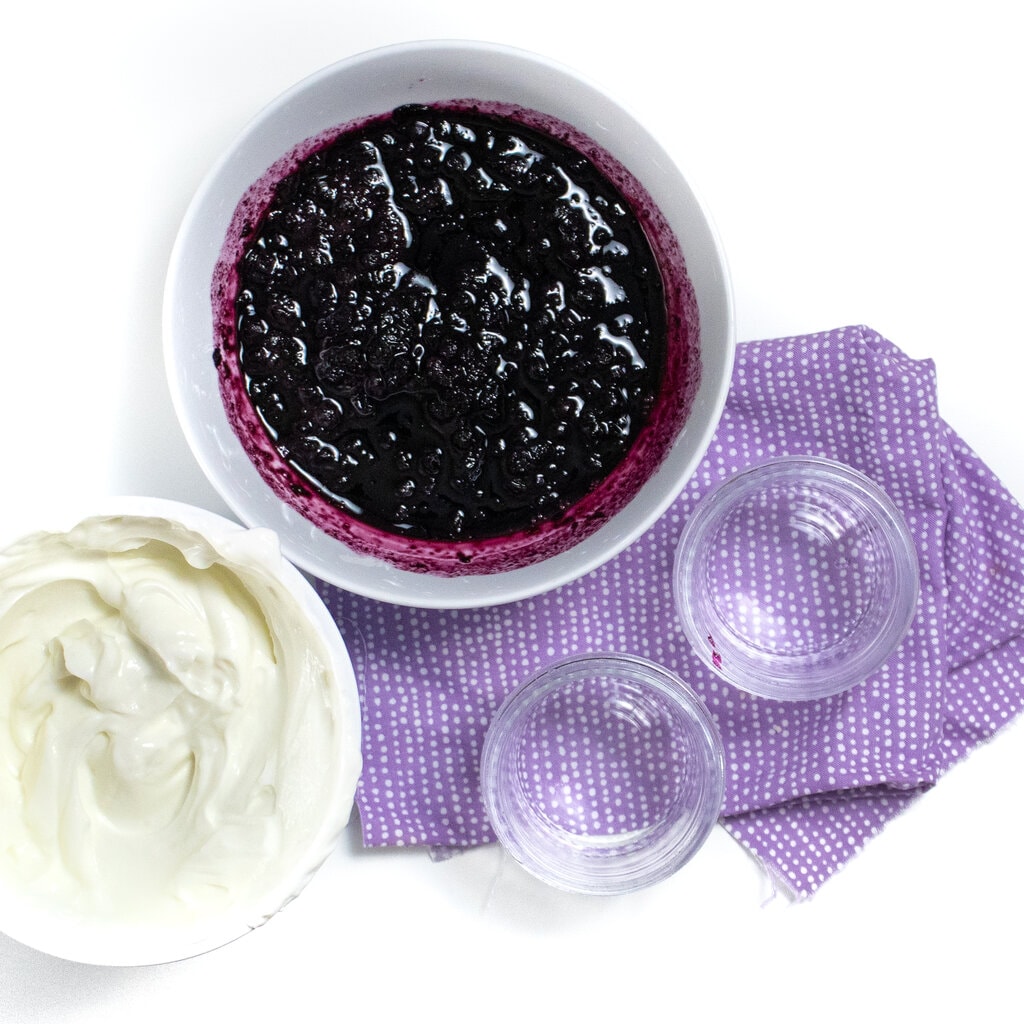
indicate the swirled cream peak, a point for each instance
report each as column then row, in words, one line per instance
column 169, row 734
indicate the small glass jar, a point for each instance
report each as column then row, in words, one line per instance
column 797, row 579
column 602, row 774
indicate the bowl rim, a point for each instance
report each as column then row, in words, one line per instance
column 375, row 577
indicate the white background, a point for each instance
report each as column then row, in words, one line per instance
column 863, row 165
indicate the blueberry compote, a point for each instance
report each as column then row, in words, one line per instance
column 451, row 325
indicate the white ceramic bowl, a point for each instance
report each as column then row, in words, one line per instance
column 128, row 776
column 374, row 83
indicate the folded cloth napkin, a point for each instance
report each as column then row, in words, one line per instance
column 807, row 783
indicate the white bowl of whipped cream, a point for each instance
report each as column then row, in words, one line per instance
column 179, row 734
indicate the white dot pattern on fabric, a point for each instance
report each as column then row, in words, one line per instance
column 626, row 785
column 787, row 577
column 807, row 784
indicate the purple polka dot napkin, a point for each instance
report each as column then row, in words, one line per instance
column 807, row 784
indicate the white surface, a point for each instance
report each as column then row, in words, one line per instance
column 863, row 168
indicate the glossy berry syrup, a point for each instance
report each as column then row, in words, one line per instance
column 442, row 331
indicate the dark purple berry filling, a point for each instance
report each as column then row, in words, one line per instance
column 451, row 326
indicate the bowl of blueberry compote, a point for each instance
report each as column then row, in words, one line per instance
column 451, row 322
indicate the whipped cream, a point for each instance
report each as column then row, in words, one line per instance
column 170, row 733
